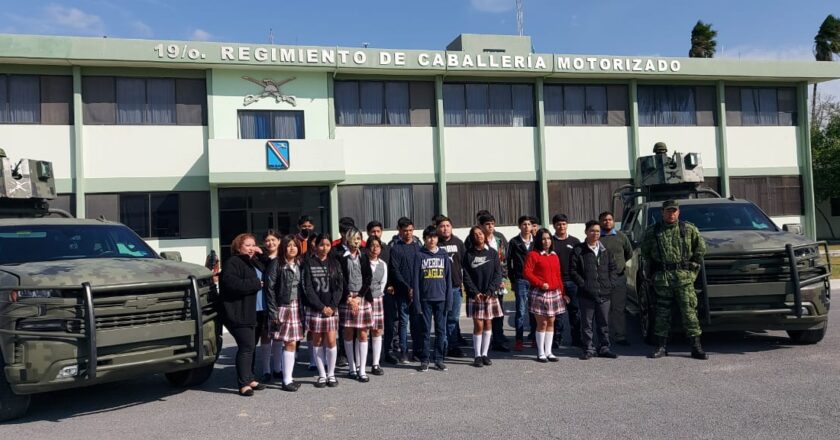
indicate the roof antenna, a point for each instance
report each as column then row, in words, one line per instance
column 270, row 36
column 520, row 18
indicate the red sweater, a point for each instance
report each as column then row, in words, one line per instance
column 543, row 268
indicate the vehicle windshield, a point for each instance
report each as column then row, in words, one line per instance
column 721, row 217
column 25, row 244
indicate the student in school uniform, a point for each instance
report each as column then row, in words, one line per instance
column 547, row 298
column 378, row 288
column 482, row 280
column 323, row 286
column 284, row 288
column 355, row 309
column 271, row 355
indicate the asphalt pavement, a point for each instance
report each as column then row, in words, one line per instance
column 755, row 385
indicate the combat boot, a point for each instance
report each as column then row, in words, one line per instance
column 697, row 349
column 660, row 348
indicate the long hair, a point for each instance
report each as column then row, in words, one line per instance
column 538, row 246
column 238, row 240
column 318, row 239
column 472, row 234
column 284, row 245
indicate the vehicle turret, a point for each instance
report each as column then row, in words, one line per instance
column 26, row 186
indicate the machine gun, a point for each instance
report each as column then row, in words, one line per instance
column 26, row 188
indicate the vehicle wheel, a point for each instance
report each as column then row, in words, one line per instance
column 190, row 378
column 807, row 337
column 12, row 405
column 647, row 313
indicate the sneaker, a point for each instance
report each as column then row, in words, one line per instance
column 291, row 386
column 553, row 358
column 486, row 361
column 607, row 354
column 518, row 346
column 404, row 358
column 542, row 359
column 441, row 366
column 586, row 356
column 332, row 382
column 424, row 367
column 376, row 370
column 478, row 362
column 321, row 383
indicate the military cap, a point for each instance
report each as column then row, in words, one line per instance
column 660, row 147
column 670, row 204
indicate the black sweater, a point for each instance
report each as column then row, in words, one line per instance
column 594, row 275
column 563, row 249
column 482, row 272
column 239, row 285
column 323, row 282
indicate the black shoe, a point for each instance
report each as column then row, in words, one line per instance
column 623, row 342
column 486, row 361
column 352, row 375
column 363, row 378
column 660, row 351
column 404, row 358
column 424, row 367
column 391, row 359
column 376, row 370
column 478, row 362
column 247, row 393
column 441, row 366
column 607, row 354
column 341, row 362
column 542, row 359
column 332, row 382
column 697, row 349
column 260, row 386
column 291, row 386
column 553, row 358
column 456, row 353
column 321, row 382
column 502, row 348
column 586, row 356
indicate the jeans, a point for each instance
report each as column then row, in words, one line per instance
column 599, row 312
column 389, row 304
column 403, row 310
column 453, row 316
column 521, row 288
column 432, row 310
column 245, row 352
column 573, row 309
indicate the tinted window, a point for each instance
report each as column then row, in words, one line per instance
column 23, row 244
column 721, row 217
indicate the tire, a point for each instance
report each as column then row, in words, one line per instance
column 647, row 312
column 190, row 378
column 12, row 405
column 807, row 337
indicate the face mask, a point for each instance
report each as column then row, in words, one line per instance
column 305, row 233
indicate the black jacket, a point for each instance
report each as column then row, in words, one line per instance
column 563, row 249
column 323, row 282
column 367, row 276
column 517, row 252
column 454, row 247
column 482, row 272
column 276, row 290
column 594, row 276
column 239, row 285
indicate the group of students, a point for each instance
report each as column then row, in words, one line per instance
column 371, row 294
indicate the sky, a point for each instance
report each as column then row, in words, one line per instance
column 767, row 29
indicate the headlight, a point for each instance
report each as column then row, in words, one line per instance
column 16, row 295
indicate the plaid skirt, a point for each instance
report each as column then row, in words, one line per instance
column 378, row 314
column 318, row 323
column 546, row 303
column 290, row 328
column 483, row 310
column 363, row 319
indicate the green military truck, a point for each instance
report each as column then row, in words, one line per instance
column 755, row 275
column 88, row 301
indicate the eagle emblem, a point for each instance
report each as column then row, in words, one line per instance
column 271, row 88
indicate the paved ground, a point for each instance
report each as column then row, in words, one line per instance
column 754, row 386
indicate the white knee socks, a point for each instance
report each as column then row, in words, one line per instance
column 549, row 339
column 319, row 361
column 363, row 353
column 478, row 344
column 485, row 342
column 377, row 349
column 350, row 351
column 541, row 344
column 332, row 354
column 288, row 366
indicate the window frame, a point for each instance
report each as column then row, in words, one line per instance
column 529, row 120
column 6, row 105
column 297, row 113
column 357, row 84
column 150, row 214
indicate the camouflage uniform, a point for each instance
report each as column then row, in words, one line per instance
column 674, row 284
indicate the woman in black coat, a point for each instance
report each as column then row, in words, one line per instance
column 240, row 280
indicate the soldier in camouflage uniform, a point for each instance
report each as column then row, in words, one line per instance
column 674, row 250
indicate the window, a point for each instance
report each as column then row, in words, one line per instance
column 144, row 101
column 676, row 105
column 156, row 215
column 751, row 106
column 583, row 200
column 585, row 105
column 482, row 105
column 271, row 124
column 387, row 203
column 397, row 103
column 776, row 195
column 33, row 99
column 506, row 200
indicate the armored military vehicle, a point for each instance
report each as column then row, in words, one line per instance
column 87, row 301
column 755, row 275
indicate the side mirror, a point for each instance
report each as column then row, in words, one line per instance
column 794, row 228
column 171, row 255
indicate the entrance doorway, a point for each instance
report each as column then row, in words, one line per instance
column 257, row 210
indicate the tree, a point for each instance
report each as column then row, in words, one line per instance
column 703, row 43
column 826, row 45
column 825, row 154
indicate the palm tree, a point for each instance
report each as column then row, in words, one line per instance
column 826, row 45
column 703, row 44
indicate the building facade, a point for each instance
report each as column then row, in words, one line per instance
column 171, row 138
